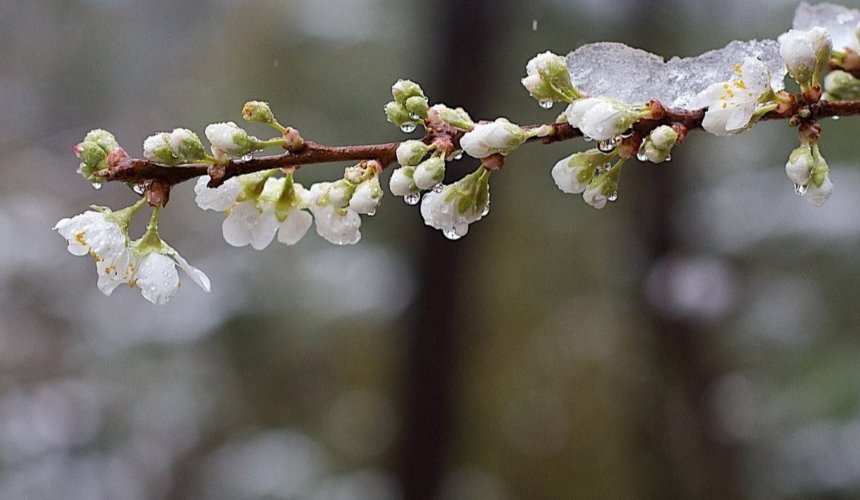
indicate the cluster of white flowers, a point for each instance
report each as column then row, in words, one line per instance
column 257, row 207
column 148, row 263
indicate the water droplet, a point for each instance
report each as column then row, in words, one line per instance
column 613, row 196
column 371, row 213
column 835, row 117
column 408, row 127
column 458, row 155
column 586, row 138
column 534, row 24
column 139, row 189
column 486, row 210
column 607, row 146
column 641, row 156
column 412, row 198
column 668, row 158
column 546, row 103
column 248, row 157
column 800, row 188
column 437, row 188
column 451, row 234
column 97, row 185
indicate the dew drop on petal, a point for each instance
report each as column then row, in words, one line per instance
column 835, row 117
column 451, row 234
column 371, row 213
column 613, row 196
column 248, row 157
column 438, row 187
column 546, row 103
column 408, row 127
column 668, row 158
column 586, row 138
column 139, row 189
column 412, row 198
column 458, row 155
column 641, row 156
column 486, row 210
column 96, row 185
column 800, row 188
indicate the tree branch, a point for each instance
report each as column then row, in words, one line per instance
column 140, row 171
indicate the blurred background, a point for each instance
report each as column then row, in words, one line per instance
column 696, row 339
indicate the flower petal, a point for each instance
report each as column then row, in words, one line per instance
column 157, row 278
column 294, row 227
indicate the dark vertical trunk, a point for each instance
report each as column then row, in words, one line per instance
column 464, row 42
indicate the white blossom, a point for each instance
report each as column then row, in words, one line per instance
column 731, row 104
column 96, row 234
column 337, row 225
column 573, row 173
column 222, row 135
column 366, row 197
column 154, row 273
column 400, row 183
column 547, row 78
column 410, row 153
column 817, row 195
column 499, row 136
column 593, row 195
column 601, row 118
column 255, row 221
column 429, row 172
column 798, row 168
column 805, row 53
column 221, row 198
column 457, row 205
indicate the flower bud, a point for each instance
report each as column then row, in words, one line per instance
column 457, row 117
column 657, row 147
column 806, row 54
column 366, row 197
column 417, row 107
column 398, row 114
column 429, row 172
column 157, row 148
column 404, row 89
column 601, row 118
column 103, row 139
column 229, row 138
column 93, row 158
column 841, row 85
column 499, row 136
column 258, row 111
column 799, row 165
column 400, row 183
column 411, row 152
column 573, row 173
column 186, row 145
column 548, row 80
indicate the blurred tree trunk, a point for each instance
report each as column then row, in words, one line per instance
column 464, row 39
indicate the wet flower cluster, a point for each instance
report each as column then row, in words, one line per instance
column 262, row 205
